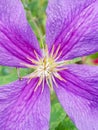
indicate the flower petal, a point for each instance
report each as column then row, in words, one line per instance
column 72, row 25
column 79, row 95
column 23, row 109
column 17, row 40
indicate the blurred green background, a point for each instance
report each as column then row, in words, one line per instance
column 36, row 16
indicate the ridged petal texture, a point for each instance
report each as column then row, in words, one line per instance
column 23, row 109
column 72, row 24
column 79, row 95
column 17, row 40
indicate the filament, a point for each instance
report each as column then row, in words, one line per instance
column 46, row 68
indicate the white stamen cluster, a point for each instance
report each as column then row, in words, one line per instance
column 46, row 68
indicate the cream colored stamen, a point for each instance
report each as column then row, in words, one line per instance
column 46, row 68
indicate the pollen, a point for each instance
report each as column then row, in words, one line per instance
column 46, row 68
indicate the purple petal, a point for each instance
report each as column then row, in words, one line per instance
column 23, row 109
column 17, row 40
column 79, row 95
column 73, row 25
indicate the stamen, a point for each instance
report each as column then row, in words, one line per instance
column 49, row 82
column 56, row 53
column 43, row 76
column 29, row 80
column 38, row 84
column 46, row 68
column 37, row 56
column 28, row 65
column 61, row 63
column 59, row 77
column 52, row 51
column 54, row 81
column 33, row 61
column 32, row 75
column 58, row 56
column 46, row 51
column 43, row 82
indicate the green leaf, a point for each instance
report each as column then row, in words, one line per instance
column 57, row 115
column 74, row 60
column 8, row 74
column 94, row 56
column 66, row 124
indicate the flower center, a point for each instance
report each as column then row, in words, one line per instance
column 46, row 68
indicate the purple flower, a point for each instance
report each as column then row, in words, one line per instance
column 71, row 31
